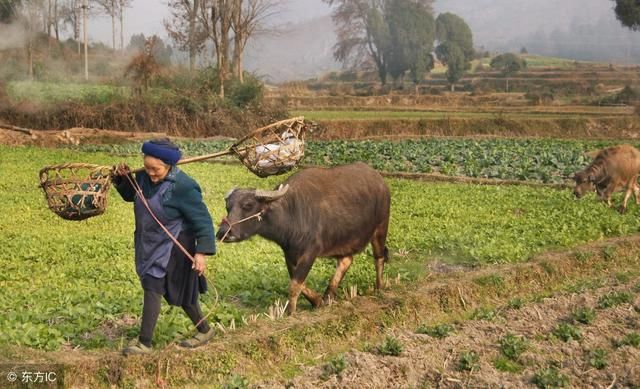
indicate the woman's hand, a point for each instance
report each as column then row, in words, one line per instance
column 200, row 263
column 121, row 169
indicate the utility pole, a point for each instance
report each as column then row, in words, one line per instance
column 84, row 23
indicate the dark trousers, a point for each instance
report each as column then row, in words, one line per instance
column 151, row 311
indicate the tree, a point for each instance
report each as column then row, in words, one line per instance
column 453, row 56
column 216, row 20
column 363, row 33
column 451, row 28
column 455, row 47
column 248, row 18
column 9, row 10
column 508, row 64
column 70, row 15
column 111, row 8
column 628, row 13
column 159, row 50
column 144, row 67
column 412, row 32
column 185, row 29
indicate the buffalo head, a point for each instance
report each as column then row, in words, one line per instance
column 245, row 210
column 584, row 184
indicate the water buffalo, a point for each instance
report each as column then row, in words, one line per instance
column 316, row 212
column 612, row 169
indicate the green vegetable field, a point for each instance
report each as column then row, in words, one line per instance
column 68, row 284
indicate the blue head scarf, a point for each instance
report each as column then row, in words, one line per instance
column 163, row 149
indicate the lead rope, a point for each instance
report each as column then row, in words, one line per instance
column 138, row 190
column 257, row 215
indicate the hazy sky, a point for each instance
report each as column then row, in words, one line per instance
column 146, row 16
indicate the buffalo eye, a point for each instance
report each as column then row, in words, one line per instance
column 248, row 206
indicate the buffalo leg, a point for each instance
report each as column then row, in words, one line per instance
column 631, row 188
column 341, row 269
column 380, row 252
column 314, row 298
column 297, row 286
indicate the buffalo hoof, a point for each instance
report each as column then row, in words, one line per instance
column 622, row 209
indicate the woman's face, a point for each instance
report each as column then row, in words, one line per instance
column 155, row 168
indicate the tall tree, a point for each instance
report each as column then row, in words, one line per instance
column 111, row 8
column 216, row 19
column 628, row 13
column 455, row 47
column 412, row 32
column 122, row 4
column 185, row 28
column 453, row 56
column 70, row 15
column 452, row 28
column 31, row 13
column 248, row 19
column 363, row 33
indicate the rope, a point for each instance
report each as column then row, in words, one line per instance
column 140, row 194
column 257, row 215
column 138, row 190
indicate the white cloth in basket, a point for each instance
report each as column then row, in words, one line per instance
column 275, row 155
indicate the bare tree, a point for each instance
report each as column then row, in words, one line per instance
column 111, row 8
column 249, row 18
column 70, row 15
column 31, row 13
column 122, row 4
column 184, row 27
column 216, row 18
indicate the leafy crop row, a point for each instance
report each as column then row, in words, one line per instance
column 546, row 161
column 74, row 283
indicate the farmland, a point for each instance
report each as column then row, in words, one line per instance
column 497, row 276
column 73, row 283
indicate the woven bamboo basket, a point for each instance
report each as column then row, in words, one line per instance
column 274, row 149
column 76, row 191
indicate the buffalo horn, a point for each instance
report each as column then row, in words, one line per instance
column 271, row 195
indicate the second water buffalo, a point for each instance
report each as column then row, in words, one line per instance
column 612, row 169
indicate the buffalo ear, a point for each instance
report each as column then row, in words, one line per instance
column 229, row 193
column 272, row 195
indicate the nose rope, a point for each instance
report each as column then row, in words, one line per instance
column 225, row 220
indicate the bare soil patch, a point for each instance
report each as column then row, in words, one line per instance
column 429, row 362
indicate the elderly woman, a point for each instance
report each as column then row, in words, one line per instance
column 173, row 201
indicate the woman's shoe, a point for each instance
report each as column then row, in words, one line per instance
column 198, row 339
column 136, row 347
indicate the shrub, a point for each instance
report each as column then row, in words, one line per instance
column 505, row 364
column 512, row 346
column 567, row 332
column 613, row 299
column 335, row 366
column 468, row 361
column 632, row 339
column 598, row 359
column 584, row 315
column 390, row 346
column 550, row 378
column 247, row 93
column 438, row 331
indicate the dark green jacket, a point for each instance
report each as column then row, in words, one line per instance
column 183, row 199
